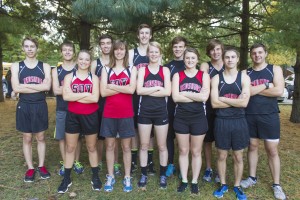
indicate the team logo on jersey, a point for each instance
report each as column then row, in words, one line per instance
column 81, row 88
column 259, row 82
column 121, row 81
column 138, row 66
column 192, row 87
column 231, row 96
column 153, row 83
column 32, row 79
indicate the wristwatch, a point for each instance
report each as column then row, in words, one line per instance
column 267, row 85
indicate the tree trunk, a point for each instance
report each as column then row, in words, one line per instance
column 244, row 35
column 85, row 32
column 295, row 114
column 1, row 72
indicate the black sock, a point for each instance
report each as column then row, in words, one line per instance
column 170, row 146
column 134, row 156
column 67, row 173
column 162, row 170
column 150, row 156
column 95, row 171
column 274, row 184
column 144, row 170
column 253, row 178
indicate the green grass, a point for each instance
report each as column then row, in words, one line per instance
column 13, row 167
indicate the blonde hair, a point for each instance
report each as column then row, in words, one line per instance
column 154, row 44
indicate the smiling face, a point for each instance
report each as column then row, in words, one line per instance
column 258, row 55
column 178, row 50
column 190, row 60
column 105, row 45
column 29, row 48
column 83, row 60
column 120, row 53
column 67, row 52
column 144, row 36
column 231, row 59
column 154, row 54
column 216, row 53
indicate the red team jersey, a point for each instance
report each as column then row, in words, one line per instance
column 118, row 105
column 81, row 86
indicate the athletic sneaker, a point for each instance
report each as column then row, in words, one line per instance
column 96, row 183
column 61, row 171
column 117, row 169
column 78, row 167
column 194, row 188
column 29, row 176
column 182, row 187
column 151, row 170
column 248, row 182
column 43, row 172
column 163, row 182
column 240, row 195
column 278, row 192
column 109, row 184
column 170, row 170
column 127, row 184
column 220, row 192
column 133, row 167
column 208, row 175
column 143, row 181
column 64, row 186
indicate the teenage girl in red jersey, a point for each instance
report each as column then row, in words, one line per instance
column 153, row 86
column 118, row 83
column 81, row 90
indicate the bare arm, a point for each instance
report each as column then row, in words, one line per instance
column 204, row 67
column 68, row 94
column 104, row 91
column 214, row 95
column 130, row 57
column 57, row 89
column 17, row 87
column 126, row 89
column 177, row 97
column 46, row 84
column 278, row 84
column 204, row 93
column 95, row 92
column 243, row 99
column 140, row 89
column 93, row 66
column 166, row 90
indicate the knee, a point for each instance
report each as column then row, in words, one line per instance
column 184, row 151
column 253, row 147
column 272, row 152
column 91, row 148
column 196, row 152
column 126, row 148
column 110, row 147
column 40, row 138
column 238, row 159
column 162, row 147
column 222, row 157
column 70, row 148
column 144, row 146
column 27, row 139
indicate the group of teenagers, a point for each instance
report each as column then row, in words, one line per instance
column 129, row 96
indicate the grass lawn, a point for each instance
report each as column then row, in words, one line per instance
column 13, row 167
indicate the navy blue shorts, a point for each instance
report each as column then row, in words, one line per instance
column 32, row 117
column 231, row 133
column 264, row 126
column 84, row 124
column 190, row 126
column 111, row 127
column 156, row 121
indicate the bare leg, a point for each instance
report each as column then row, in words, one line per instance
column 126, row 144
column 110, row 156
column 274, row 160
column 91, row 141
column 78, row 149
column 161, row 136
column 71, row 144
column 144, row 131
column 62, row 148
column 253, row 156
column 238, row 166
column 27, row 149
column 222, row 157
column 196, row 148
column 41, row 147
column 100, row 145
column 208, row 154
column 184, row 148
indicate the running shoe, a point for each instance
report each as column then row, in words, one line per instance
column 194, row 188
column 182, row 187
column 163, row 182
column 239, row 193
column 143, row 181
column 43, row 172
column 61, row 171
column 117, row 169
column 248, row 182
column 170, row 170
column 64, row 186
column 219, row 193
column 96, row 183
column 29, row 176
column 78, row 167
column 208, row 175
column 278, row 192
column 109, row 184
column 151, row 170
column 127, row 184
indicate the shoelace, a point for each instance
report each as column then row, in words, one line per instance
column 163, row 179
column 78, row 164
column 109, row 180
column 127, row 182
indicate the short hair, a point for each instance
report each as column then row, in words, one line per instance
column 141, row 26
column 257, row 45
column 34, row 40
column 178, row 39
column 154, row 44
column 117, row 45
column 191, row 50
column 212, row 44
column 105, row 36
column 230, row 48
column 68, row 44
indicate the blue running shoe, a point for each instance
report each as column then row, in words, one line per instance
column 127, row 183
column 78, row 167
column 220, row 192
column 143, row 181
column 170, row 170
column 109, row 185
column 61, row 171
column 208, row 175
column 240, row 195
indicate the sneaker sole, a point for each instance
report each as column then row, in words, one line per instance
column 125, row 190
column 62, row 192
column 44, row 178
column 28, row 181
